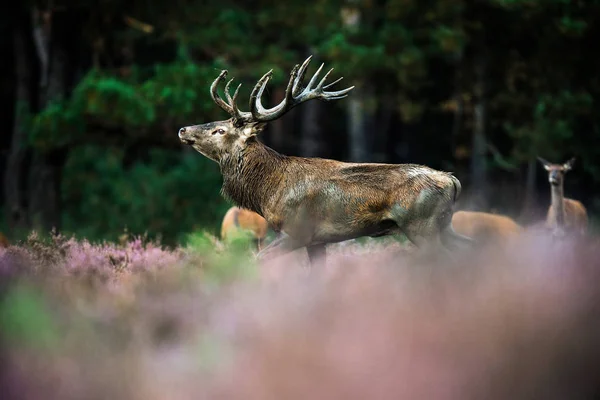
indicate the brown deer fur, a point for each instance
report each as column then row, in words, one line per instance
column 485, row 227
column 315, row 201
column 236, row 219
column 4, row 241
column 564, row 214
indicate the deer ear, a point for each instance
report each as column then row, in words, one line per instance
column 569, row 164
column 545, row 163
column 252, row 130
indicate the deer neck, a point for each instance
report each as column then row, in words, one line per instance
column 558, row 204
column 252, row 175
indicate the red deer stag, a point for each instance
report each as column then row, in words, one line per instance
column 564, row 215
column 236, row 219
column 313, row 201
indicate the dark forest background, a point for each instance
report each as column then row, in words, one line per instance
column 92, row 94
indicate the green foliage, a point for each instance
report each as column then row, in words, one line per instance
column 178, row 91
column 173, row 93
column 167, row 195
column 25, row 320
column 118, row 102
column 58, row 125
column 233, row 261
column 552, row 127
column 416, row 55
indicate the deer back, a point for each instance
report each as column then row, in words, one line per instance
column 484, row 226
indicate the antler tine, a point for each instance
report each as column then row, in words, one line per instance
column 320, row 85
column 263, row 114
column 340, row 94
column 227, row 94
column 332, row 83
column 314, row 78
column 256, row 108
column 235, row 95
column 215, row 94
column 289, row 91
column 294, row 95
column 236, row 113
column 337, row 95
column 300, row 77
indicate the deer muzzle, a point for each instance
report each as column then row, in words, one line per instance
column 183, row 136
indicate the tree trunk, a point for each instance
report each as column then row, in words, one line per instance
column 358, row 149
column 356, row 127
column 45, row 177
column 311, row 144
column 457, row 122
column 276, row 128
column 478, row 161
column 14, row 175
column 527, row 209
column 380, row 133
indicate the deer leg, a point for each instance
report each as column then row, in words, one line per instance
column 282, row 245
column 424, row 235
column 454, row 240
column 316, row 253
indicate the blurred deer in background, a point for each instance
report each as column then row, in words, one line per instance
column 237, row 219
column 315, row 201
column 484, row 227
column 564, row 215
column 4, row 241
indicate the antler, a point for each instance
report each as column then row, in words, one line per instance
column 230, row 106
column 294, row 95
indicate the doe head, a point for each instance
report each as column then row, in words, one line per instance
column 556, row 172
column 218, row 139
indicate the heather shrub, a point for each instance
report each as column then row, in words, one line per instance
column 224, row 261
column 517, row 320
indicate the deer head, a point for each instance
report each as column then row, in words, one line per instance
column 216, row 140
column 556, row 172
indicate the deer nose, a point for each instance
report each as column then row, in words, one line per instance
column 181, row 132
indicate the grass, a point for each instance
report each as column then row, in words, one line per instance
column 136, row 320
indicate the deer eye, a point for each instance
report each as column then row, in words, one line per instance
column 219, row 131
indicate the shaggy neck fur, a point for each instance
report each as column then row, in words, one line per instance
column 252, row 175
column 558, row 204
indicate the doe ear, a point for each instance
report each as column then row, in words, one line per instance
column 545, row 163
column 569, row 164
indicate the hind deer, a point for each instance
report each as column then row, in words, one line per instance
column 237, row 219
column 4, row 241
column 485, row 227
column 564, row 215
column 311, row 202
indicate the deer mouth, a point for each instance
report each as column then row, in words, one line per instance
column 187, row 141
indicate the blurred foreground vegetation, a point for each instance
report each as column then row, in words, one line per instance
column 134, row 320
